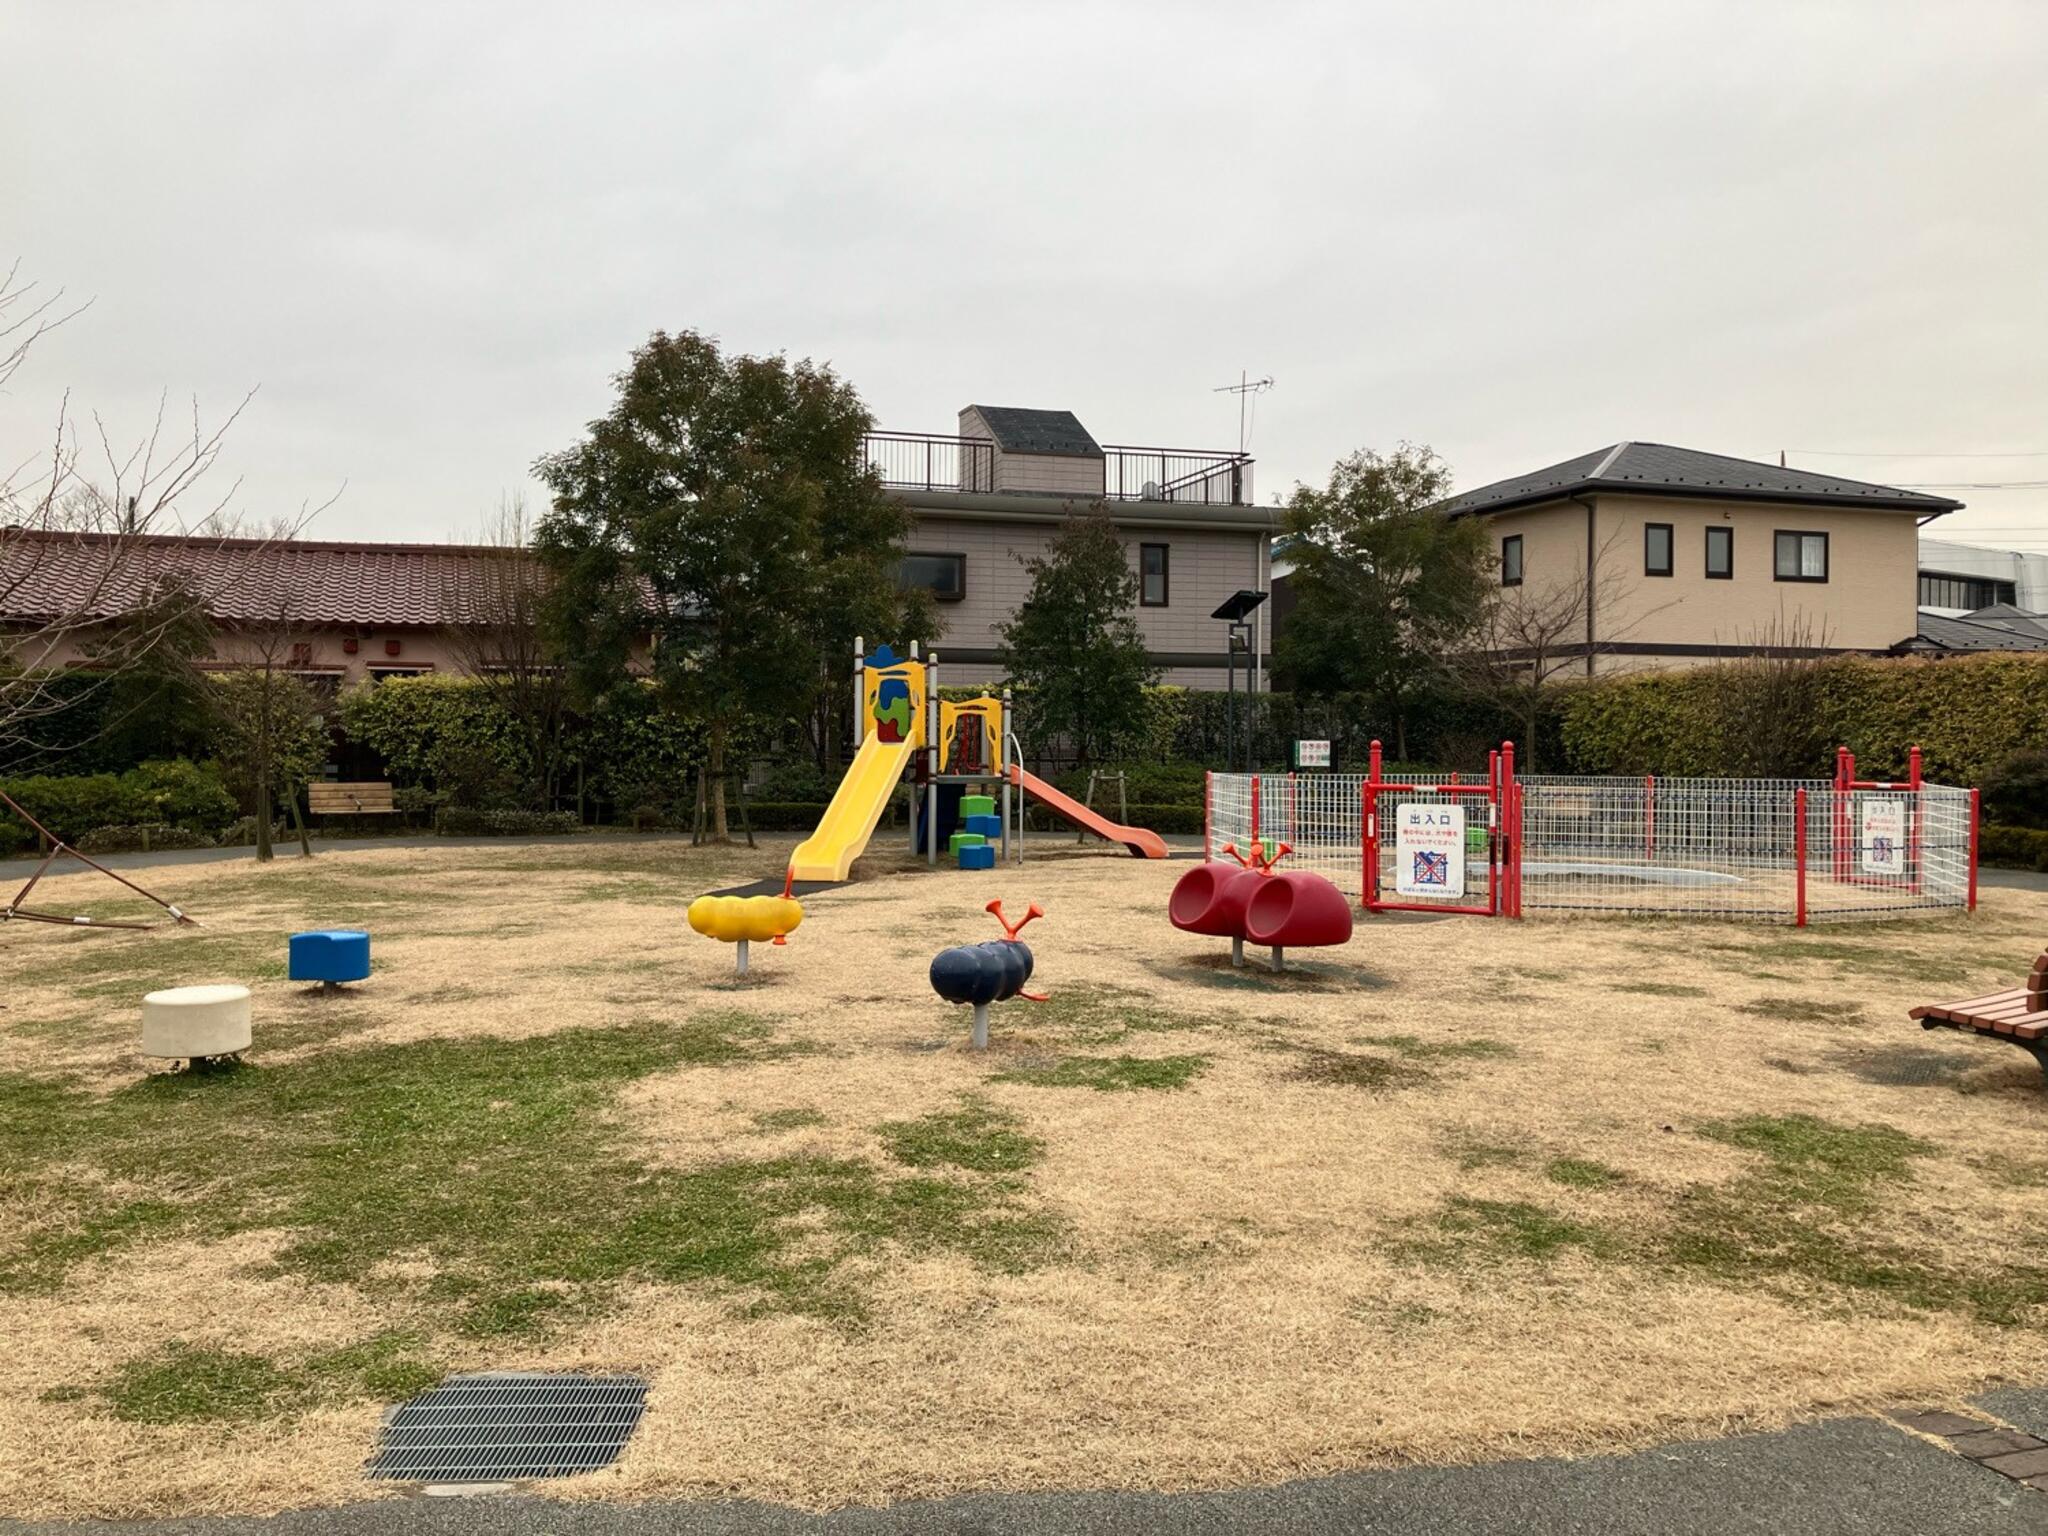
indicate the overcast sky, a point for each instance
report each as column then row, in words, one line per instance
column 430, row 233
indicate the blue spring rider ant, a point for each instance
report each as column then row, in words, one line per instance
column 990, row 972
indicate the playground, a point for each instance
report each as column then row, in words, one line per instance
column 1456, row 1189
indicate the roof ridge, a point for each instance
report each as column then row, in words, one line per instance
column 1600, row 469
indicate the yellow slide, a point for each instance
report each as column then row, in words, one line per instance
column 829, row 852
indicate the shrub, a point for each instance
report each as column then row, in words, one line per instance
column 148, row 838
column 180, row 794
column 2012, row 847
column 2016, row 791
column 462, row 822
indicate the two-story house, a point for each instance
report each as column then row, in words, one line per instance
column 992, row 495
column 1698, row 556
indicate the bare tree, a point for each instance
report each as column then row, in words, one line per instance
column 1535, row 634
column 1768, row 700
column 500, row 639
column 73, row 518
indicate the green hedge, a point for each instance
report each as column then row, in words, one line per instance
column 458, row 822
column 178, row 794
column 2012, row 847
column 1968, row 714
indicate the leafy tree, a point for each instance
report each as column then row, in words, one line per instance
column 1386, row 588
column 1073, row 644
column 270, row 738
column 697, row 511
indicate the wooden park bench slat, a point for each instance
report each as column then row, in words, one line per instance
column 368, row 799
column 2019, row 1014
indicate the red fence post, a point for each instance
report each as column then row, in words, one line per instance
column 1369, row 810
column 1291, row 833
column 1511, row 830
column 1799, row 856
column 1258, row 847
column 1914, row 841
column 1649, row 815
column 1973, row 849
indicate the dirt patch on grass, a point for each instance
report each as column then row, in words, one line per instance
column 1180, row 1227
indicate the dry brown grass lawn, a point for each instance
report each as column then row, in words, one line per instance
column 1461, row 1190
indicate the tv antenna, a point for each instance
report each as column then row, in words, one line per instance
column 1245, row 389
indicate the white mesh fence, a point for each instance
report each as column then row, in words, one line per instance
column 1697, row 847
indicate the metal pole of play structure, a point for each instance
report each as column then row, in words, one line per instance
column 742, row 948
column 981, row 1026
column 1002, row 750
column 931, row 757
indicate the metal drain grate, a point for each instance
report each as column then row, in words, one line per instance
column 506, row 1425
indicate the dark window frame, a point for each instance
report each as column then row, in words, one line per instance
column 1670, row 532
column 1505, row 579
column 1778, row 535
column 1727, row 531
column 1165, row 576
column 957, row 556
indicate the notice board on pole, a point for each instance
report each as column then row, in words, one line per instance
column 1429, row 849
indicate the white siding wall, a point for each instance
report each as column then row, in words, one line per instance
column 1204, row 567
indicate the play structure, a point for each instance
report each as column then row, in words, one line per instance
column 1293, row 909
column 1499, row 843
column 332, row 957
column 56, row 848
column 956, row 752
column 991, row 972
column 743, row 920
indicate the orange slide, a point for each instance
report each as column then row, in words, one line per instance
column 1145, row 844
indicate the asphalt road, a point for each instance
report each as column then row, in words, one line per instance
column 1844, row 1476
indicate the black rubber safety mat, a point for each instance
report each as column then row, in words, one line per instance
column 503, row 1426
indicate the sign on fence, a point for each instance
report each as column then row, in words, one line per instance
column 1884, row 835
column 1429, row 849
column 1311, row 754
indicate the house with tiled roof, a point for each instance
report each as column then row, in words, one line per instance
column 1698, row 555
column 343, row 611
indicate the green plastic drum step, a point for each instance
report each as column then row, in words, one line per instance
column 977, row 805
column 961, row 840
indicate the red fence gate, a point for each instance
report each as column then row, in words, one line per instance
column 1498, row 793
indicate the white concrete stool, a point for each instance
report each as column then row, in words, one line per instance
column 193, row 1023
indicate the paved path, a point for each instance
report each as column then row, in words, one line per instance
column 1860, row 1476
column 288, row 849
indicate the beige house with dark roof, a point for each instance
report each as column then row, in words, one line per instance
column 992, row 495
column 1699, row 556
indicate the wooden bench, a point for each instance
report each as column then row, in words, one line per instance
column 2019, row 1015
column 325, row 799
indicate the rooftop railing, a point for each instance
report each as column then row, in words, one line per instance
column 926, row 461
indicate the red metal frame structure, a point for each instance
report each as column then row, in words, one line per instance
column 14, row 911
column 1848, row 840
column 1503, row 836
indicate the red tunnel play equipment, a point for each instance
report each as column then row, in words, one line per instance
column 1211, row 899
column 1293, row 909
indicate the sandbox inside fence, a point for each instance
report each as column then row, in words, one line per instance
column 1506, row 844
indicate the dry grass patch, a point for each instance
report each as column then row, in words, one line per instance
column 1374, row 1210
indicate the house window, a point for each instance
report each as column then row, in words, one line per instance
column 1656, row 549
column 302, row 653
column 1721, row 554
column 1800, row 556
column 1511, row 560
column 944, row 576
column 1152, row 575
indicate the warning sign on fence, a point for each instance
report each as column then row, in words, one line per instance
column 1429, row 850
column 1884, row 836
